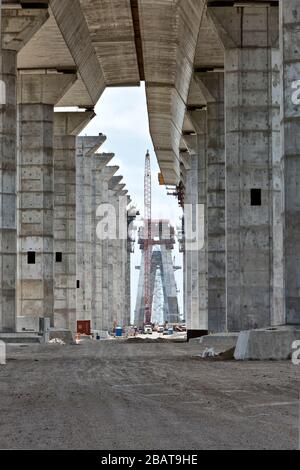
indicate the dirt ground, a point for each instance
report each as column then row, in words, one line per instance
column 115, row 395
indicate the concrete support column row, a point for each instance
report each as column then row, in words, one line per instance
column 102, row 254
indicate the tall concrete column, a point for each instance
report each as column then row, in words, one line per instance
column 123, row 253
column 114, row 262
column 67, row 125
column 278, row 303
column 37, row 95
column 212, row 87
column 8, row 242
column 17, row 27
column 248, row 34
column 131, row 216
column 99, row 186
column 290, row 136
column 106, row 279
column 86, row 148
column 196, row 257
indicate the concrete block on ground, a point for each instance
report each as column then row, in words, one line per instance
column 224, row 340
column 266, row 344
column 27, row 323
column 65, row 335
column 20, row 338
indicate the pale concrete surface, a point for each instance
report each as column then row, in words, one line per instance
column 111, row 395
column 223, row 340
column 267, row 344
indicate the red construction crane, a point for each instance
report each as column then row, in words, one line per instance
column 147, row 240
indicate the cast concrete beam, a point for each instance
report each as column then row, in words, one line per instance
column 103, row 159
column 169, row 36
column 42, row 86
column 72, row 24
column 113, row 182
column 19, row 25
column 88, row 145
column 112, row 34
column 71, row 123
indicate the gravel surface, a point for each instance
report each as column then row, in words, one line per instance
column 116, row 395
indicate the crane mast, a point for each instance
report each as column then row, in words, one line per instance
column 147, row 239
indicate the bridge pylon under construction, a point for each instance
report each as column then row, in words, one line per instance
column 160, row 246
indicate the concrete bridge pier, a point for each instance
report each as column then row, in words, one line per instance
column 212, row 87
column 67, row 125
column 86, row 148
column 17, row 28
column 99, row 186
column 8, row 233
column 248, row 34
column 37, row 95
column 289, row 21
column 196, row 256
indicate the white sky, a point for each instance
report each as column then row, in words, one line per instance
column 122, row 117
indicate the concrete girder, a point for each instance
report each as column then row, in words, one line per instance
column 196, row 97
column 64, row 43
column 19, row 25
column 113, row 182
column 77, row 95
column 103, row 160
column 71, row 21
column 90, row 144
column 121, row 186
column 109, row 171
column 232, row 38
column 185, row 159
column 47, row 49
column 66, row 123
column 169, row 36
column 43, row 87
column 191, row 143
column 209, row 50
column 110, row 23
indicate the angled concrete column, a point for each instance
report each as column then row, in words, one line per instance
column 86, row 148
column 212, row 87
column 37, row 95
column 67, row 125
column 248, row 34
column 17, row 27
column 290, row 135
column 196, row 259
